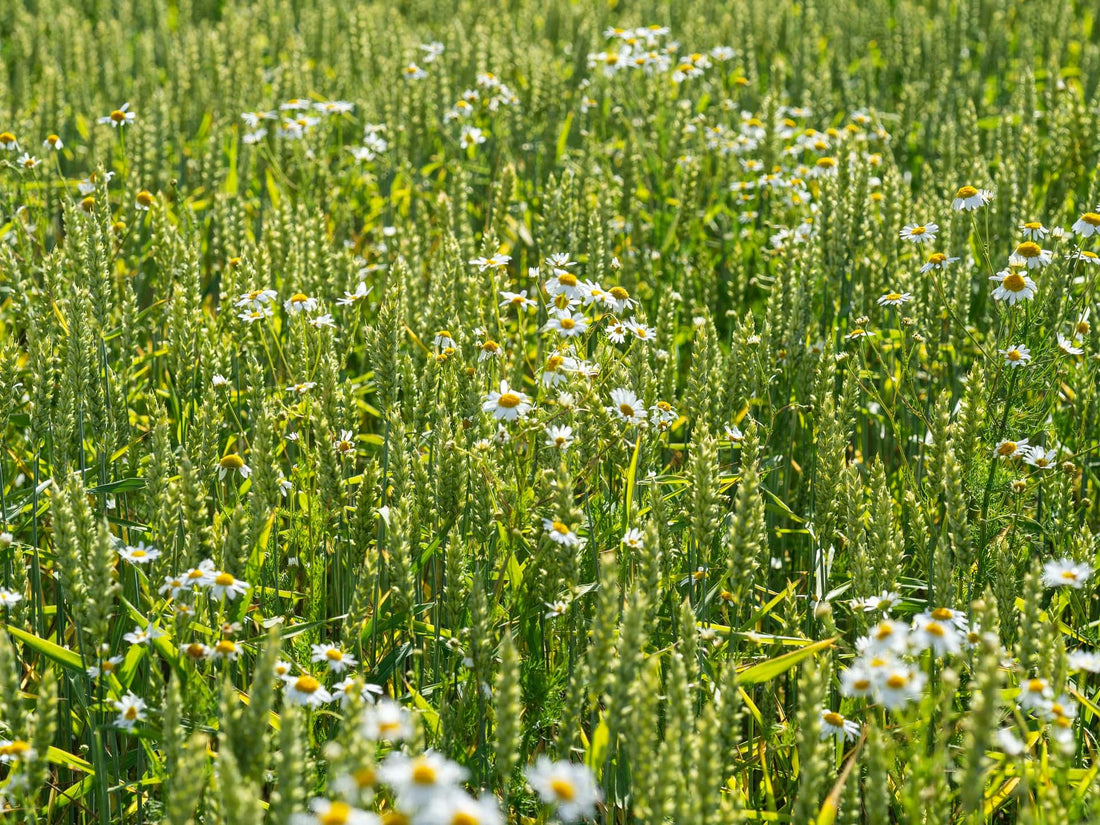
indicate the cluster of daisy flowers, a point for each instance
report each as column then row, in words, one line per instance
column 645, row 49
column 293, row 120
column 887, row 670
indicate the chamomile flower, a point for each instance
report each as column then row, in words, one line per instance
column 140, row 555
column 9, row 598
column 1011, row 449
column 939, row 636
column 519, row 300
column 131, row 710
column 627, row 406
column 344, row 444
column 16, row 750
column 471, row 136
column 895, row 299
column 334, row 812
column 1087, row 225
column 1085, row 256
column 1086, row 661
column 1035, row 694
column 1039, row 458
column 1013, row 286
column 559, row 438
column 507, row 404
column 122, row 116
column 886, row 637
column 1031, row 255
column 497, row 261
column 225, row 649
column 1034, row 230
column 969, row 199
column 633, row 538
column 560, row 533
column 54, row 143
column 201, row 576
column 233, row 463
column 1068, row 347
column 456, row 807
column 299, row 302
column 29, row 161
column 336, row 660
column 937, row 260
column 355, row 297
column 305, row 690
column 834, row 724
column 386, row 721
column 413, row 72
column 567, row 324
column 104, row 666
column 899, row 686
column 569, row 787
column 140, row 636
column 555, row 610
column 1016, row 356
column 919, row 233
column 143, row 200
column 416, row 780
column 225, row 584
column 1066, row 573
column 857, row 681
column 642, row 332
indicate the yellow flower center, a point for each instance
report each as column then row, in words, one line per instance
column 826, row 163
column 138, row 554
column 861, row 684
column 508, row 400
column 893, row 296
column 463, row 818
column 942, row 614
column 563, row 789
column 1033, row 225
column 1091, row 218
column 232, row 462
column 618, row 293
column 936, row 629
column 7, row 137
column 1014, row 282
column 194, row 651
column 131, row 713
column 833, row 718
column 1082, row 327
column 917, row 230
column 966, row 192
column 423, row 773
column 1013, row 355
column 626, row 410
column 567, row 279
column 1008, row 448
column 1069, row 575
column 554, row 362
column 568, row 323
column 17, row 747
column 224, row 580
column 937, row 258
column 364, row 778
column 338, row 813
column 299, row 298
column 884, row 631
column 88, row 203
column 225, row 646
column 896, row 681
column 306, row 684
column 1036, row 685
column 490, row 346
column 334, row 655
column 144, row 197
column 1029, row 249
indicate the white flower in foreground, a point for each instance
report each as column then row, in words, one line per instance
column 1068, row 347
column 1035, row 694
column 233, row 463
column 929, row 633
column 570, row 788
column 386, row 721
column 1017, row 356
column 306, row 690
column 560, row 532
column 508, row 404
column 919, row 233
column 1013, row 286
column 417, row 780
column 122, row 116
column 9, row 598
column 1011, row 449
column 459, row 808
column 969, row 198
column 335, row 812
column 834, row 724
column 138, row 636
column 1087, row 225
column 895, row 299
column 1041, row 459
column 142, row 554
column 559, row 438
column 131, row 710
column 937, row 260
column 1087, row 661
column 1034, row 230
column 225, row 584
column 899, row 686
column 1031, row 255
column 1066, row 573
column 331, row 655
column 627, row 406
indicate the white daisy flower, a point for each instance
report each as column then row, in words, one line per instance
column 507, row 404
column 569, row 787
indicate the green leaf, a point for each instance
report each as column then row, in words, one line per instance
column 766, row 671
